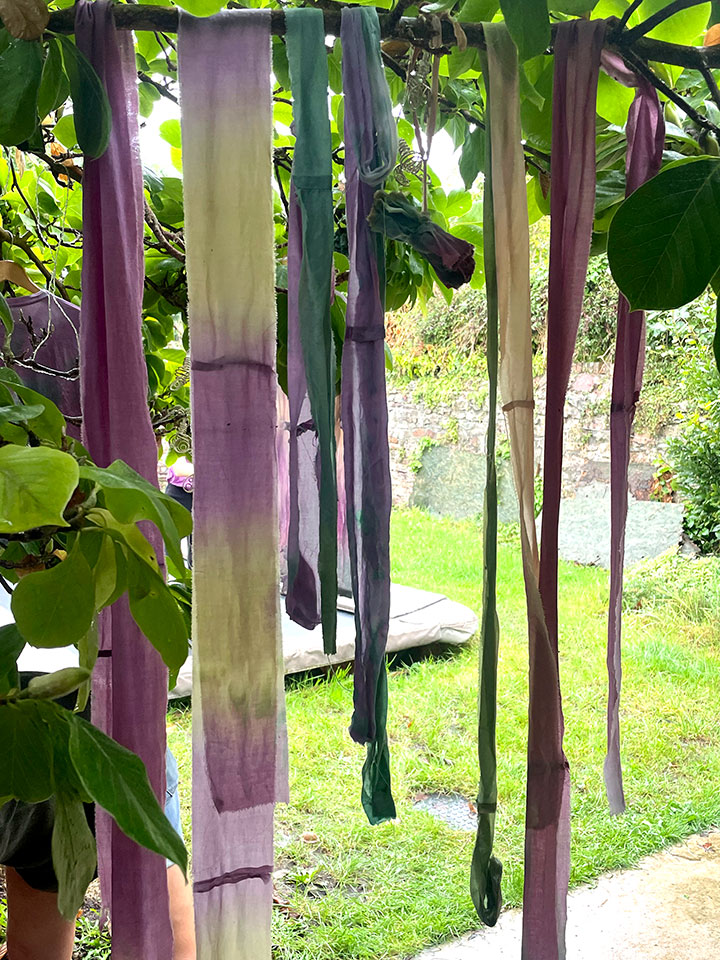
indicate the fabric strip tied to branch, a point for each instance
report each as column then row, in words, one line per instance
column 239, row 753
column 312, row 541
column 116, row 425
column 578, row 44
column 370, row 148
column 645, row 141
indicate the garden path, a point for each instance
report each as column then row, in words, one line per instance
column 667, row 908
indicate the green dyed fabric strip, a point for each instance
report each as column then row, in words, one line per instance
column 486, row 870
column 312, row 183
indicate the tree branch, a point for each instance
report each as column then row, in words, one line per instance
column 164, row 240
column 22, row 244
column 161, row 88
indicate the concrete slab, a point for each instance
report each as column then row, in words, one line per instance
column 668, row 908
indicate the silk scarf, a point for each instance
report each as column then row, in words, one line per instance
column 370, row 149
column 130, row 682
column 239, row 757
column 645, row 132
column 547, row 836
column 312, row 540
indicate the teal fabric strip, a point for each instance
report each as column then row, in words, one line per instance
column 486, row 870
column 312, row 180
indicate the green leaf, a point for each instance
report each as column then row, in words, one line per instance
column 528, row 90
column 36, row 484
column 91, row 108
column 7, row 319
column 130, row 498
column 685, row 27
column 281, row 68
column 156, row 612
column 472, row 156
column 87, row 655
column 20, row 72
column 170, row 132
column 613, row 100
column 664, row 241
column 55, row 607
column 64, row 131
column 11, row 645
column 60, row 683
column 478, row 11
column 50, row 425
column 125, row 534
column 73, row 854
column 54, row 86
column 716, row 338
column 24, row 736
column 574, row 7
column 202, row 8
column 117, row 780
column 528, row 24
column 20, row 412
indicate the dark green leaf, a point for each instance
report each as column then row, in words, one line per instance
column 24, row 736
column 73, row 854
column 87, row 655
column 472, row 156
column 478, row 11
column 575, row 7
column 664, row 241
column 20, row 71
column 11, row 645
column 91, row 109
column 117, row 780
column 20, row 412
column 35, row 486
column 55, row 607
column 54, row 85
column 50, row 425
column 529, row 25
column 280, row 63
column 156, row 612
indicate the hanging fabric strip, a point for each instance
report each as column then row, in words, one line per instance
column 645, row 141
column 369, row 157
column 116, row 425
column 239, row 760
column 547, row 838
column 312, row 553
column 486, row 870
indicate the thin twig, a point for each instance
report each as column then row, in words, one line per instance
column 711, row 83
column 639, row 65
column 628, row 13
column 160, row 87
column 156, row 227
column 660, row 17
column 22, row 244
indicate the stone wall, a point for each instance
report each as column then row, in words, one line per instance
column 437, row 455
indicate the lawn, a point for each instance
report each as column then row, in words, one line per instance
column 359, row 892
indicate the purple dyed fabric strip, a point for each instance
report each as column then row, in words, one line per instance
column 364, row 403
column 645, row 141
column 116, row 424
column 303, row 546
column 547, row 838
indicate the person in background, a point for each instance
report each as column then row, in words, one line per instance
column 180, row 477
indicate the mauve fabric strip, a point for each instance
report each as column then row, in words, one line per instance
column 578, row 44
column 116, row 424
column 239, row 745
column 364, row 407
column 645, row 141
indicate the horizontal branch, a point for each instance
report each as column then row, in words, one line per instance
column 413, row 29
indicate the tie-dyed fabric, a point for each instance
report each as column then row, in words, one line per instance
column 547, row 838
column 369, row 157
column 312, row 541
column 239, row 754
column 645, row 141
column 116, row 424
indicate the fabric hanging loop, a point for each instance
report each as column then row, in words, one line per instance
column 312, row 542
column 369, row 155
column 547, row 837
column 645, row 132
column 116, row 425
column 239, row 753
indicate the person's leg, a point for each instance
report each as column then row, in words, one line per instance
column 181, row 915
column 36, row 930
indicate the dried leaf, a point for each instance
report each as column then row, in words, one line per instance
column 24, row 19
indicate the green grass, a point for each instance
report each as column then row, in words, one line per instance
column 358, row 892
